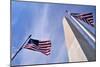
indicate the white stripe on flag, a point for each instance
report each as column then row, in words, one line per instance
column 45, row 42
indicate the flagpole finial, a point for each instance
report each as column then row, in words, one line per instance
column 67, row 11
column 30, row 35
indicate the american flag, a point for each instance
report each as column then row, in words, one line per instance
column 40, row 46
column 86, row 17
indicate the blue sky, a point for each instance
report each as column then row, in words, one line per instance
column 44, row 22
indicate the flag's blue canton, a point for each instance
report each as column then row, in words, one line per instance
column 33, row 41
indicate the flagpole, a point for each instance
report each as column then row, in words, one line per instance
column 20, row 48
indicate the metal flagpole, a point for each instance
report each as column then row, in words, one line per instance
column 20, row 48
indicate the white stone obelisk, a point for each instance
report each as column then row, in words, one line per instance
column 75, row 52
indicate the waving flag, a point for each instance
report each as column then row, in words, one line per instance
column 86, row 17
column 40, row 46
